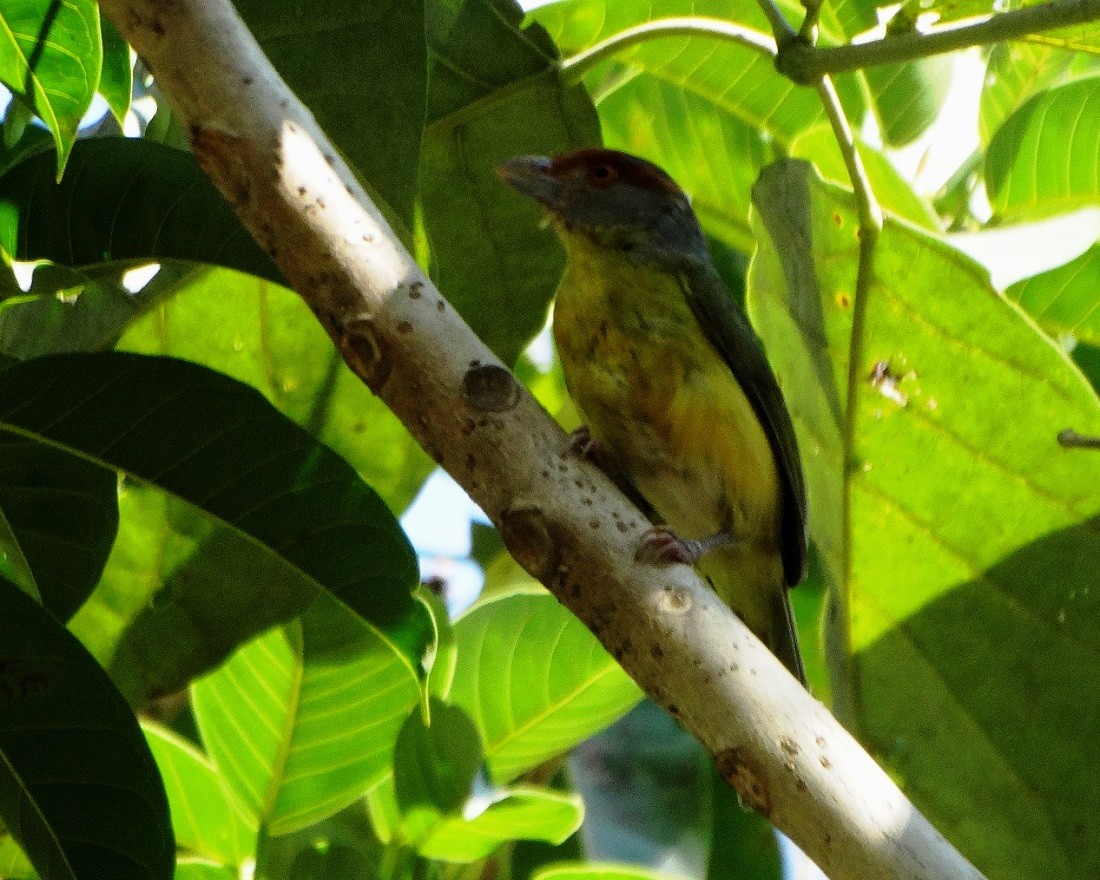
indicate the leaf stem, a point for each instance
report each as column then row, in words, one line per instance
column 870, row 225
column 805, row 64
column 781, row 28
column 578, row 65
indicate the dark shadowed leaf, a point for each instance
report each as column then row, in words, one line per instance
column 434, row 765
column 361, row 69
column 218, row 445
column 63, row 514
column 488, row 80
column 123, row 199
column 78, row 787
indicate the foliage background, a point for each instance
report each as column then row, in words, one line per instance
column 198, row 500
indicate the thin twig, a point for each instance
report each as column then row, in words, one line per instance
column 805, row 64
column 1070, row 439
column 870, row 225
column 808, row 32
column 578, row 65
column 781, row 28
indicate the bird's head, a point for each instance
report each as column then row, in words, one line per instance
column 613, row 199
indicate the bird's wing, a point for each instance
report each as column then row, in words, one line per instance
column 729, row 332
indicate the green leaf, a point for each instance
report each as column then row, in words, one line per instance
column 489, row 79
column 224, row 591
column 303, row 720
column 909, row 97
column 190, row 869
column 665, row 123
column 443, row 653
column 14, row 864
column 63, row 310
column 117, row 82
column 1043, row 159
column 123, row 199
column 598, row 871
column 51, row 54
column 965, row 635
column 523, row 813
column 534, row 680
column 78, row 787
column 145, row 552
column 894, row 193
column 63, row 514
column 361, row 69
column 1064, row 300
column 265, row 335
column 33, row 140
column 1015, row 71
column 738, row 81
column 434, row 765
column 218, row 445
column 204, row 819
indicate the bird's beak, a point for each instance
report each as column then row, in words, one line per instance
column 531, row 176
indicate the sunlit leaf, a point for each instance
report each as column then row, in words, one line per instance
column 534, row 680
column 303, row 720
column 964, row 646
column 117, row 82
column 206, row 822
column 1043, row 159
column 50, row 53
column 523, row 813
column 1065, row 300
column 1017, row 70
column 599, row 871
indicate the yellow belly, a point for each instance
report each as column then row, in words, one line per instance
column 662, row 399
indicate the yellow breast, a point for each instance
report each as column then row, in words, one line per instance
column 661, row 398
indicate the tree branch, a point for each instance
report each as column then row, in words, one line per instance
column 578, row 65
column 560, row 518
column 805, row 64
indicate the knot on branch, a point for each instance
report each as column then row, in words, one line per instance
column 490, row 388
column 527, row 536
column 747, row 775
column 793, row 60
column 359, row 347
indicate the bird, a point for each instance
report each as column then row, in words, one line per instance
column 673, row 383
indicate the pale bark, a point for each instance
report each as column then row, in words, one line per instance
column 560, row 518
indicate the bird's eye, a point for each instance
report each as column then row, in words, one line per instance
column 602, row 175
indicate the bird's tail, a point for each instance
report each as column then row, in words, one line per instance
column 750, row 580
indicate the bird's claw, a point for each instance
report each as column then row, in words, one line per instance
column 661, row 545
column 582, row 443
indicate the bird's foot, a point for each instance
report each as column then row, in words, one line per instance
column 662, row 545
column 582, row 443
